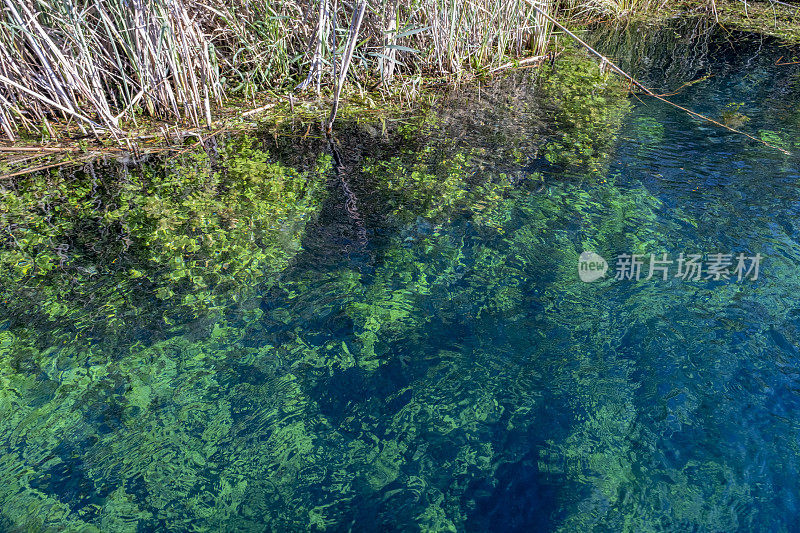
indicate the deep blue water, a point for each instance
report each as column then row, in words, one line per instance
column 425, row 356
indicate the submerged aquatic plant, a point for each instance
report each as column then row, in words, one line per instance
column 193, row 237
column 589, row 108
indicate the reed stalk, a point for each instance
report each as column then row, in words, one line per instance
column 95, row 61
column 101, row 64
column 347, row 57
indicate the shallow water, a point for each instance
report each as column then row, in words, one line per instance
column 403, row 342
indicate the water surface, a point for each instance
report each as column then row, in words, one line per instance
column 260, row 337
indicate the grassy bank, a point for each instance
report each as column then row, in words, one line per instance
column 102, row 66
column 128, row 72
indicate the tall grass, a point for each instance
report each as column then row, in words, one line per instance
column 608, row 9
column 259, row 43
column 471, row 34
column 100, row 63
column 96, row 62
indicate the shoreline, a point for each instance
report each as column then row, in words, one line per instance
column 266, row 111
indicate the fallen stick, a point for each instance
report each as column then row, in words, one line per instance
column 203, row 140
column 36, row 149
column 45, row 167
column 721, row 125
column 784, row 4
column 647, row 91
column 14, row 162
column 521, row 62
column 778, row 62
column 257, row 110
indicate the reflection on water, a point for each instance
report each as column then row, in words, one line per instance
column 213, row 343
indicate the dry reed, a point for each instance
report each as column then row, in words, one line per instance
column 99, row 64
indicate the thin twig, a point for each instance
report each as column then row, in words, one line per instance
column 784, row 4
column 779, row 64
column 203, row 140
column 721, row 125
column 257, row 110
column 37, row 149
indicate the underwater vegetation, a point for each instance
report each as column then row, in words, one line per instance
column 159, row 243
column 245, row 426
column 732, row 117
column 201, row 343
column 590, row 107
column 168, row 367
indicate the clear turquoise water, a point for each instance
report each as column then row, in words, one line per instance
column 418, row 354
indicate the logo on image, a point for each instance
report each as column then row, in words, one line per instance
column 591, row 267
